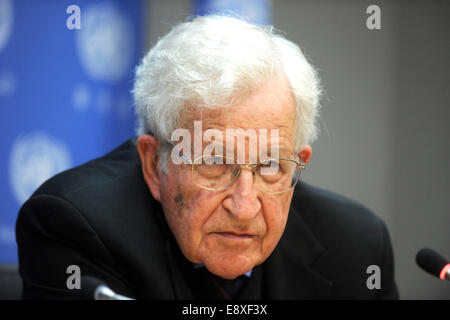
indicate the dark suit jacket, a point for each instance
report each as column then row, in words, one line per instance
column 101, row 217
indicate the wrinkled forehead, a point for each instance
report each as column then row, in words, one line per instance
column 248, row 138
column 267, row 112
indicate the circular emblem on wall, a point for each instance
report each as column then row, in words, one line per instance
column 256, row 11
column 34, row 158
column 105, row 42
column 6, row 21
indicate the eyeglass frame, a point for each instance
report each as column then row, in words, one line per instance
column 300, row 166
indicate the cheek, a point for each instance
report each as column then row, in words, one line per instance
column 276, row 212
column 175, row 205
column 194, row 219
column 199, row 207
column 187, row 210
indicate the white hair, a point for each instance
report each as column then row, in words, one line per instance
column 213, row 61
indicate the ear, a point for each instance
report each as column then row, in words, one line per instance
column 305, row 153
column 148, row 152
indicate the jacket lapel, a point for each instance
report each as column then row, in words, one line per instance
column 289, row 273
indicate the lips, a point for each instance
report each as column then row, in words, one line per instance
column 235, row 236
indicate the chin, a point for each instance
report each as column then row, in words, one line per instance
column 229, row 270
column 229, row 275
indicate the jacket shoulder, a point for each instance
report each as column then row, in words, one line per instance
column 333, row 215
column 121, row 161
column 353, row 238
column 100, row 216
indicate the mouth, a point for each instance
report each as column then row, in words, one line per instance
column 235, row 236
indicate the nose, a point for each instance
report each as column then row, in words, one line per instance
column 243, row 202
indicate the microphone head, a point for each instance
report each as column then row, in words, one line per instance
column 88, row 287
column 431, row 261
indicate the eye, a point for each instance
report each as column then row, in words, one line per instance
column 213, row 160
column 269, row 163
column 211, row 170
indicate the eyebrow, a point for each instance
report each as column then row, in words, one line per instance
column 283, row 151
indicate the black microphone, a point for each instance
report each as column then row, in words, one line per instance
column 432, row 262
column 93, row 288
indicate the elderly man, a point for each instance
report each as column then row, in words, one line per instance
column 184, row 211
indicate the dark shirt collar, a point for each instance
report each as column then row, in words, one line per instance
column 199, row 265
